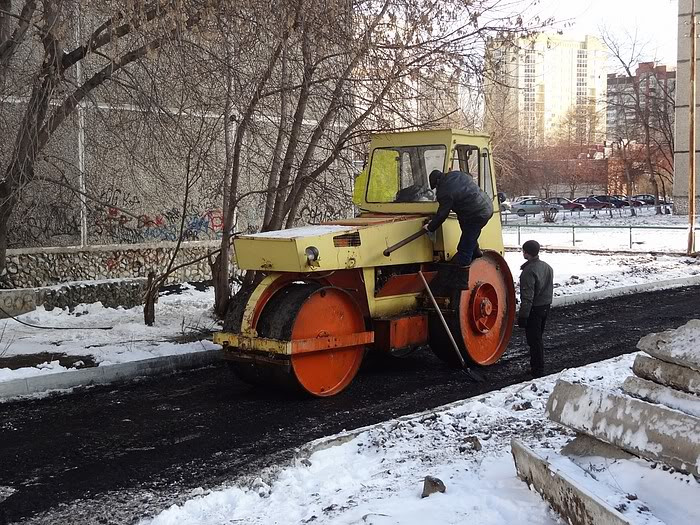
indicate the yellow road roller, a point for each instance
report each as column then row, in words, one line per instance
column 334, row 291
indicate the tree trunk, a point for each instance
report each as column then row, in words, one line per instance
column 149, row 306
column 8, row 200
column 655, row 185
column 220, row 276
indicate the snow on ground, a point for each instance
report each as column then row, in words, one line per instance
column 127, row 340
column 577, row 273
column 191, row 311
column 377, row 476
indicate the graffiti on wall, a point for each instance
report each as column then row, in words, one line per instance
column 115, row 197
column 310, row 214
column 114, row 226
column 51, row 223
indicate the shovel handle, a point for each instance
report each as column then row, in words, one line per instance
column 404, row 242
column 442, row 318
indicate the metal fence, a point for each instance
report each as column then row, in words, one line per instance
column 551, row 232
column 508, row 216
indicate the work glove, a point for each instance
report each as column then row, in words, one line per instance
column 522, row 322
column 431, row 235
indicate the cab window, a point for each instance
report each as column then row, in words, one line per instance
column 466, row 159
column 400, row 174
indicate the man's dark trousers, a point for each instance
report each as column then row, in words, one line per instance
column 468, row 242
column 533, row 332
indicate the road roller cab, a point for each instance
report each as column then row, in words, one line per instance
column 333, row 291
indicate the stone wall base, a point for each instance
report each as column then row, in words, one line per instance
column 39, row 267
column 126, row 293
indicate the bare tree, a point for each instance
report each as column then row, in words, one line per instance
column 333, row 73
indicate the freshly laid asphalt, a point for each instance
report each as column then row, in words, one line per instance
column 118, row 453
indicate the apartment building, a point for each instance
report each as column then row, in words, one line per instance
column 654, row 86
column 545, row 88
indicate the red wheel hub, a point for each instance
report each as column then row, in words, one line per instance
column 484, row 307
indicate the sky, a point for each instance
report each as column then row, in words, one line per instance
column 654, row 21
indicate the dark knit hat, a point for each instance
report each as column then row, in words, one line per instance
column 531, row 247
column 433, row 178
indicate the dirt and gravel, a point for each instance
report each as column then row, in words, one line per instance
column 114, row 454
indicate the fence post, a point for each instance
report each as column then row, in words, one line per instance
column 630, row 237
column 518, row 235
column 573, row 236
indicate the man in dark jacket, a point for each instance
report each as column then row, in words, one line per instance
column 457, row 191
column 536, row 290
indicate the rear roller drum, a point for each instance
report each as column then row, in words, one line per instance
column 481, row 318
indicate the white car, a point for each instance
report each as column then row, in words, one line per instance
column 524, row 197
column 534, row 206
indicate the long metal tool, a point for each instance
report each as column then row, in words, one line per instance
column 471, row 373
column 404, row 242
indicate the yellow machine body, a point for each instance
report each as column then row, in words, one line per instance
column 346, row 257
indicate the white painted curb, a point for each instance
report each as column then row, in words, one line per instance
column 626, row 290
column 106, row 374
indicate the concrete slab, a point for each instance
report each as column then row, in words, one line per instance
column 663, row 395
column 106, row 374
column 569, row 494
column 675, row 376
column 650, row 431
column 680, row 346
column 16, row 302
column 586, row 446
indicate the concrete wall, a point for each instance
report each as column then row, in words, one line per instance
column 36, row 267
column 680, row 184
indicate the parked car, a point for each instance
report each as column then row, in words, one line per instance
column 567, row 204
column 524, row 197
column 648, row 199
column 626, row 201
column 614, row 201
column 533, row 206
column 592, row 203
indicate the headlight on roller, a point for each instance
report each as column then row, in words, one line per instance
column 311, row 255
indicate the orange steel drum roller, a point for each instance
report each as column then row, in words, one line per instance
column 303, row 311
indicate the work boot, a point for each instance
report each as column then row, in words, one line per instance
column 450, row 277
column 462, row 278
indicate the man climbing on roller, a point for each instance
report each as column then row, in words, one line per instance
column 457, row 191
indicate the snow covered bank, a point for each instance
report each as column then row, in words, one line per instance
column 375, row 475
column 179, row 317
column 577, row 273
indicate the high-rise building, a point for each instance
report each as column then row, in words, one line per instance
column 653, row 86
column 546, row 89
